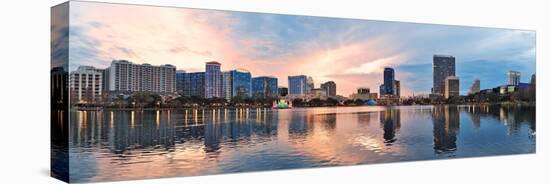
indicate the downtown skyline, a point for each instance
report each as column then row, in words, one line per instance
column 350, row 52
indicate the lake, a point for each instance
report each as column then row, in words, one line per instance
column 122, row 145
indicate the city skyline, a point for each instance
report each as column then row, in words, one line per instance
column 193, row 92
column 352, row 53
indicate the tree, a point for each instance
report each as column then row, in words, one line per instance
column 349, row 102
column 120, row 100
column 359, row 102
column 316, row 102
column 298, row 102
column 141, row 99
column 331, row 102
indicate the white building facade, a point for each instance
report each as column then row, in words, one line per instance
column 126, row 76
column 85, row 85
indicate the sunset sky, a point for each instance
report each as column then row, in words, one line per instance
column 350, row 52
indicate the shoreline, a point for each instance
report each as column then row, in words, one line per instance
column 255, row 107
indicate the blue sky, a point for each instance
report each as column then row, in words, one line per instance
column 350, row 52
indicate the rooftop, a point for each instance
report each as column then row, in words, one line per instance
column 443, row 55
column 213, row 63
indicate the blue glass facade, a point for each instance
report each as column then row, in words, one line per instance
column 297, row 85
column 180, row 77
column 264, row 87
column 389, row 78
column 241, row 83
column 193, row 84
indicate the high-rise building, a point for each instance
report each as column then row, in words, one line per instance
column 533, row 79
column 397, row 88
column 475, row 87
column 180, row 76
column 58, row 82
column 105, row 78
column 264, row 87
column 125, row 76
column 213, row 80
column 241, row 83
column 389, row 81
column 310, row 85
column 382, row 90
column 85, row 85
column 283, row 91
column 443, row 67
column 363, row 90
column 452, row 87
column 193, row 84
column 514, row 77
column 226, row 85
column 329, row 88
column 297, row 85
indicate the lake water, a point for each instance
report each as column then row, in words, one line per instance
column 121, row 145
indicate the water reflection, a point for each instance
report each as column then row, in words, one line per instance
column 391, row 122
column 115, row 145
column 445, row 128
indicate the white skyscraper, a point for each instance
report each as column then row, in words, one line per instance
column 213, row 80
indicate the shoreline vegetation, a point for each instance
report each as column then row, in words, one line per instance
column 151, row 101
column 252, row 107
column 182, row 103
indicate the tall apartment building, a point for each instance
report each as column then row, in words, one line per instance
column 125, row 76
column 213, row 80
column 226, row 85
column 85, row 85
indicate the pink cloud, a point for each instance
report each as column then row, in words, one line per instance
column 188, row 38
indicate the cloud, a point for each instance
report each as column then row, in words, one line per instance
column 350, row 52
column 60, row 36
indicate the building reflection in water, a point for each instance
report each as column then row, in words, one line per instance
column 390, row 121
column 512, row 116
column 299, row 126
column 125, row 131
column 198, row 141
column 445, row 128
column 364, row 118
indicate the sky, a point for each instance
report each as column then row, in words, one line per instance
column 350, row 52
